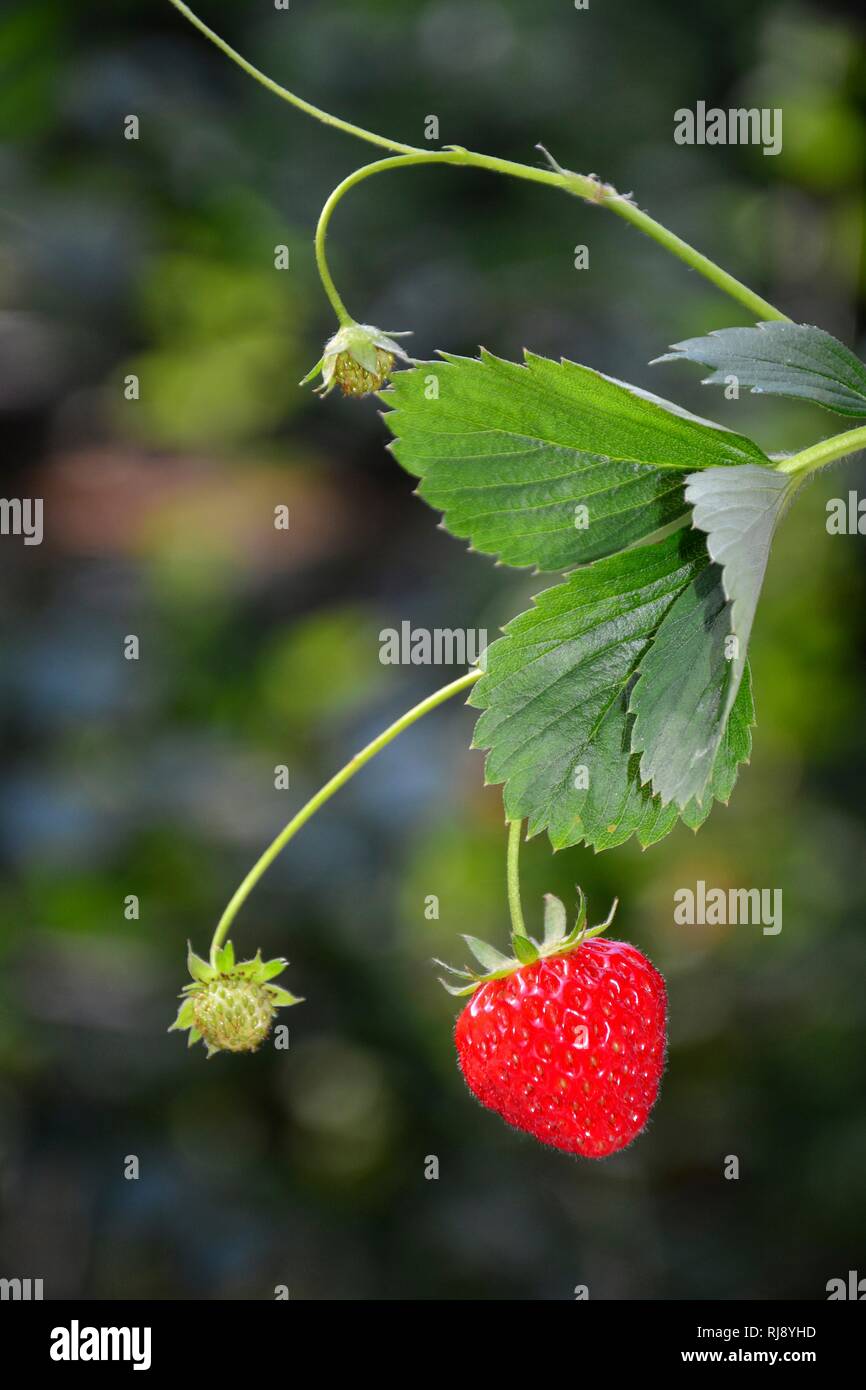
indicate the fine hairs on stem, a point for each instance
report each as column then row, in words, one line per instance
column 515, row 831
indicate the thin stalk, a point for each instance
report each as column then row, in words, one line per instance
column 591, row 189
column 326, row 792
column 282, row 92
column 728, row 284
column 818, row 455
column 580, row 185
column 515, row 829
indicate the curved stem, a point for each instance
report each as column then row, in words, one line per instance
column 326, row 792
column 591, row 189
column 285, row 95
column 518, row 927
column 580, row 185
column 817, row 455
column 378, row 166
column 407, row 161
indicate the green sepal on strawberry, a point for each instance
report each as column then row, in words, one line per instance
column 556, row 939
column 359, row 358
column 231, row 1005
column 566, row 1040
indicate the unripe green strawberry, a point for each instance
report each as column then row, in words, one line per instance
column 233, row 1014
column 230, row 1006
column 358, row 358
column 355, row 380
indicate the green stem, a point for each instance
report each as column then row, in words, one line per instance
column 579, row 185
column 327, row 119
column 326, row 792
column 728, row 284
column 817, row 455
column 515, row 828
column 408, row 161
column 591, row 189
column 379, row 166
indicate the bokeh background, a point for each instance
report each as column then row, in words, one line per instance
column 156, row 778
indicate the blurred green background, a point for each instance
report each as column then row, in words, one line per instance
column 156, row 778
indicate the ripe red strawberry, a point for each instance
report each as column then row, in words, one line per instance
column 568, row 1041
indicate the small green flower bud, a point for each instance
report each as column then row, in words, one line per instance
column 359, row 359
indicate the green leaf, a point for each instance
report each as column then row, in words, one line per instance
column 690, row 678
column 781, row 359
column 739, row 515
column 510, row 452
column 555, row 698
column 681, row 697
column 734, row 749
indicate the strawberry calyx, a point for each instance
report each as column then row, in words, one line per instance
column 359, row 358
column 557, row 940
column 230, row 1005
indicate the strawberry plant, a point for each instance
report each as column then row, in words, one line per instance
column 621, row 702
